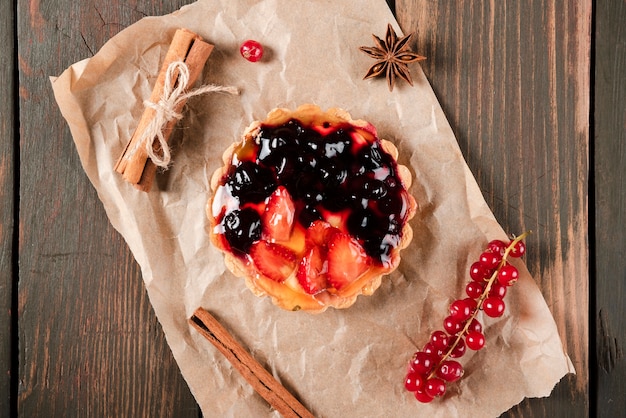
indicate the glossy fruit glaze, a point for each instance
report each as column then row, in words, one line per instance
column 317, row 206
column 331, row 174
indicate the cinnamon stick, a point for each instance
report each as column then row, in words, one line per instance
column 134, row 164
column 260, row 379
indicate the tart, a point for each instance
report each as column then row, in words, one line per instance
column 311, row 208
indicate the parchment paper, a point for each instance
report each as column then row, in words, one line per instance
column 340, row 363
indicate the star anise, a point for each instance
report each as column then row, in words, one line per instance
column 392, row 57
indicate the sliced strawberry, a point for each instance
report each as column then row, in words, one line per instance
column 319, row 233
column 347, row 260
column 312, row 270
column 273, row 260
column 278, row 216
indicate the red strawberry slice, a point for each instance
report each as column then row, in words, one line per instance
column 347, row 260
column 278, row 216
column 312, row 270
column 273, row 260
column 319, row 233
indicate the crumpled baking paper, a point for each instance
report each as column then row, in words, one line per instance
column 342, row 362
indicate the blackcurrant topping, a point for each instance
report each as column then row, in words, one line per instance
column 242, row 228
column 309, row 214
column 325, row 170
column 251, row 182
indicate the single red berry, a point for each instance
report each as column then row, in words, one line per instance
column 461, row 309
column 422, row 363
column 452, row 325
column 474, row 289
column 518, row 249
column 414, row 381
column 497, row 290
column 435, row 387
column 508, row 275
column 439, row 340
column 251, row 50
column 497, row 246
column 475, row 325
column 478, row 272
column 475, row 340
column 472, row 303
column 493, row 307
column 429, row 348
column 423, row 397
column 459, row 348
column 450, row 370
column 490, row 260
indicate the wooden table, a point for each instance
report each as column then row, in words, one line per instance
column 535, row 92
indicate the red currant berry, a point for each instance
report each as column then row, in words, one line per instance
column 450, row 370
column 423, row 397
column 493, row 307
column 429, row 348
column 422, row 363
column 508, row 275
column 474, row 289
column 471, row 303
column 490, row 260
column 478, row 272
column 475, row 340
column 518, row 249
column 439, row 340
column 459, row 349
column 452, row 325
column 414, row 381
column 461, row 309
column 435, row 387
column 251, row 50
column 475, row 325
column 496, row 246
column 497, row 290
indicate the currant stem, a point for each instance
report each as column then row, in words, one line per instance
column 480, row 300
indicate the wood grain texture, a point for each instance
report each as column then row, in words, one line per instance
column 89, row 342
column 610, row 206
column 7, row 167
column 513, row 79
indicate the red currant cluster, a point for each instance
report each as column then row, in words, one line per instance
column 434, row 366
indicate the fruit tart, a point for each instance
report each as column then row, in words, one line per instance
column 311, row 208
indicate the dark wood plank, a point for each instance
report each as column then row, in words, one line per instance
column 89, row 342
column 513, row 79
column 7, row 166
column 610, row 206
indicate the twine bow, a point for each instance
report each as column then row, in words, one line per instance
column 173, row 96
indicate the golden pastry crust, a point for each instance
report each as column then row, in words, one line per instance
column 289, row 294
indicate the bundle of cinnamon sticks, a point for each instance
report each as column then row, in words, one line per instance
column 134, row 164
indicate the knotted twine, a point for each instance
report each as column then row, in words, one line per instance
column 165, row 110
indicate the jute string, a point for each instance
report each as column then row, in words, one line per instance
column 173, row 95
